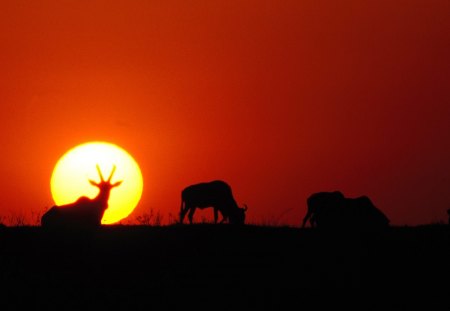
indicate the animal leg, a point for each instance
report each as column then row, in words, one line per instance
column 183, row 210
column 182, row 214
column 313, row 221
column 191, row 214
column 216, row 215
column 305, row 220
column 224, row 218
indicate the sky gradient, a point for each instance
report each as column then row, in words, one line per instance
column 280, row 99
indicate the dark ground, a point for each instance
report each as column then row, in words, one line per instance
column 225, row 268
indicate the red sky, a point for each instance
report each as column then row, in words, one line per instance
column 279, row 98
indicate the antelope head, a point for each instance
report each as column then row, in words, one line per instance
column 105, row 186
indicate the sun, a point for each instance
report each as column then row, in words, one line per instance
column 72, row 172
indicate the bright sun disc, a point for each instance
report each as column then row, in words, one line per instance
column 71, row 175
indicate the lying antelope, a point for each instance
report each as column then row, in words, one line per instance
column 85, row 212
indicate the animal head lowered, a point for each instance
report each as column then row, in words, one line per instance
column 332, row 210
column 238, row 216
column 85, row 212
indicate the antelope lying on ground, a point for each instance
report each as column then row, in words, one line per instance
column 85, row 212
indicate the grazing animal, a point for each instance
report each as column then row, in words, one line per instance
column 333, row 210
column 85, row 213
column 216, row 194
column 321, row 207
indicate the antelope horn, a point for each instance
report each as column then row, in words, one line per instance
column 112, row 173
column 100, row 172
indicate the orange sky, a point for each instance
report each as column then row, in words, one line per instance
column 279, row 98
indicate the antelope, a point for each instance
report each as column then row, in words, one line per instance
column 85, row 212
column 216, row 194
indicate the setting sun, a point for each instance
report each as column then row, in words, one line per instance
column 74, row 170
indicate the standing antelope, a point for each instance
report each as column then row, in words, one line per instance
column 85, row 212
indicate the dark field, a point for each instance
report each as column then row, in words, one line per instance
column 225, row 267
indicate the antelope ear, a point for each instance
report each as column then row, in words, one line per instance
column 93, row 183
column 116, row 183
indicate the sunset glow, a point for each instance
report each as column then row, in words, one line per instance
column 71, row 175
column 281, row 99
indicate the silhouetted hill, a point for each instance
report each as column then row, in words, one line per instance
column 225, row 267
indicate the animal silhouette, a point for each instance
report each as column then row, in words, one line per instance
column 334, row 210
column 322, row 206
column 85, row 212
column 216, row 194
